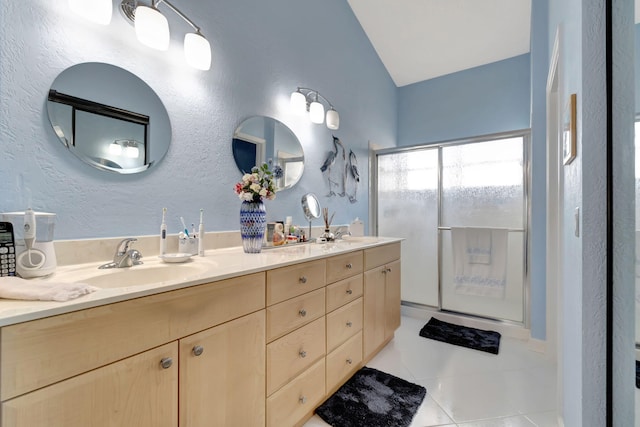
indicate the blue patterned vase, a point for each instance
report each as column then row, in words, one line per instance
column 253, row 218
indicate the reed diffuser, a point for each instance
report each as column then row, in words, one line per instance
column 327, row 235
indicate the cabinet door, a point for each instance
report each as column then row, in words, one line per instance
column 374, row 313
column 392, row 298
column 222, row 374
column 137, row 391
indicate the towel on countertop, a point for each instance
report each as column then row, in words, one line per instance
column 483, row 275
column 39, row 290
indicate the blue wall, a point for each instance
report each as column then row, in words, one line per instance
column 261, row 52
column 482, row 100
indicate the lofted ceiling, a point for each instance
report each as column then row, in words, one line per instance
column 421, row 39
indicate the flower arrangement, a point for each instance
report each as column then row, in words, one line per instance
column 257, row 185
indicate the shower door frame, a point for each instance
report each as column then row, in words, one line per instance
column 525, row 134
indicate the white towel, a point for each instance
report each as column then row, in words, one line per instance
column 39, row 290
column 478, row 246
column 473, row 276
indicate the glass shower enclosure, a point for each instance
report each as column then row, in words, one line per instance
column 424, row 192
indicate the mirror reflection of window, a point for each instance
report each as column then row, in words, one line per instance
column 109, row 118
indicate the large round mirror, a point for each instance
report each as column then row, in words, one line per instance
column 109, row 118
column 262, row 139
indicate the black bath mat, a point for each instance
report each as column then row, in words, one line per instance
column 373, row 398
column 464, row 336
column 637, row 374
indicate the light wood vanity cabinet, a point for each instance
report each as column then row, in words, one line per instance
column 119, row 364
column 255, row 350
column 222, row 374
column 136, row 391
column 381, row 297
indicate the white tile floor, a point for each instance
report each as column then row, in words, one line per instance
column 470, row 388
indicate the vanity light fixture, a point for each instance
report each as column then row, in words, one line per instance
column 152, row 29
column 304, row 99
column 127, row 147
column 98, row 11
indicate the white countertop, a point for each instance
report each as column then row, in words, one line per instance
column 216, row 265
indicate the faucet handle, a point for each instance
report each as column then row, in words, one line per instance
column 136, row 256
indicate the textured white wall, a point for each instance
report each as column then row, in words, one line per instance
column 583, row 310
column 261, row 52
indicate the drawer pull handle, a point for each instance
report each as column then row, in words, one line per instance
column 349, row 291
column 302, row 400
column 166, row 362
column 303, row 312
column 198, row 350
column 349, row 361
column 303, row 354
column 389, row 270
column 303, row 279
column 349, row 266
column 349, row 324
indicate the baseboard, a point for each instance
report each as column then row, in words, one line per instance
column 539, row 346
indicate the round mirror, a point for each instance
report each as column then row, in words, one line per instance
column 310, row 206
column 262, row 139
column 109, row 118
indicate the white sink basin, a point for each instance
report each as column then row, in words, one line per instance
column 138, row 275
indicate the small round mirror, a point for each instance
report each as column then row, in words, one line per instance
column 310, row 206
column 109, row 118
column 261, row 140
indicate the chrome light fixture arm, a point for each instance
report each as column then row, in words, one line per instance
column 177, row 12
column 312, row 95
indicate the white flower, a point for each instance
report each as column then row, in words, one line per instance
column 247, row 196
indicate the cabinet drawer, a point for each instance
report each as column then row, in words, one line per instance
column 289, row 315
column 298, row 398
column 344, row 291
column 293, row 353
column 343, row 361
column 342, row 266
column 343, row 323
column 288, row 282
column 41, row 352
column 381, row 255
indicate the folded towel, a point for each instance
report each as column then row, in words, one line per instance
column 471, row 277
column 38, row 290
column 478, row 245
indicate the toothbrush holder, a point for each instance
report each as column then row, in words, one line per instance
column 188, row 245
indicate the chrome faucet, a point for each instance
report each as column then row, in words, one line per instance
column 341, row 231
column 124, row 257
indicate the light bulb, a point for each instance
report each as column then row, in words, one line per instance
column 115, row 149
column 333, row 119
column 98, row 11
column 316, row 112
column 197, row 51
column 152, row 28
column 298, row 103
column 131, row 152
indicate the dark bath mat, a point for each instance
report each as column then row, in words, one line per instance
column 637, row 374
column 464, row 336
column 373, row 398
